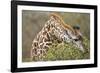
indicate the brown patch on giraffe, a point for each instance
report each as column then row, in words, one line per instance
column 34, row 51
column 48, row 28
column 44, row 32
column 41, row 51
column 45, row 47
column 46, row 39
column 35, row 44
column 48, row 43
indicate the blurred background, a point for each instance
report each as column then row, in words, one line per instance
column 33, row 22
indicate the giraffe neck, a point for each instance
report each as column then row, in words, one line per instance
column 51, row 31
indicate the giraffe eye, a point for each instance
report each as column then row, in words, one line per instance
column 76, row 39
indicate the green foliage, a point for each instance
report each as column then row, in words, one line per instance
column 63, row 51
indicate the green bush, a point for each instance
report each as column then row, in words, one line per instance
column 63, row 51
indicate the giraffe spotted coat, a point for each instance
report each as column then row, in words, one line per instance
column 54, row 29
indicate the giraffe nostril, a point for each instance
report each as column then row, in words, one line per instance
column 65, row 39
column 80, row 37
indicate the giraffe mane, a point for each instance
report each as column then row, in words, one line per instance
column 63, row 24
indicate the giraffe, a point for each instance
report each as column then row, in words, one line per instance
column 54, row 29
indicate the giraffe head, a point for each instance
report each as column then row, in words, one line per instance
column 65, row 32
